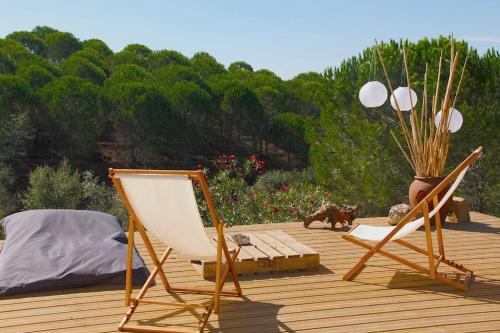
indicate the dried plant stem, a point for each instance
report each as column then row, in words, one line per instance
column 426, row 146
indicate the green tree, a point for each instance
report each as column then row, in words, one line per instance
column 31, row 41
column 8, row 202
column 76, row 113
column 240, row 66
column 138, row 49
column 241, row 115
column 43, row 31
column 7, row 65
column 162, row 58
column 194, row 107
column 98, row 46
column 78, row 66
column 206, row 65
column 144, row 121
column 288, row 130
column 273, row 102
column 36, row 75
column 168, row 75
column 129, row 73
column 127, row 57
column 60, row 45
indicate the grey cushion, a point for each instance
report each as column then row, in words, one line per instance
column 54, row 249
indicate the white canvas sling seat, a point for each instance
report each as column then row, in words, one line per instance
column 163, row 204
column 377, row 233
column 382, row 235
column 166, row 205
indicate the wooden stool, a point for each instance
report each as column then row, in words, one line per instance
column 459, row 210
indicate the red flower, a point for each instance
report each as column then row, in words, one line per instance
column 200, row 167
column 260, row 164
column 253, row 158
column 284, row 187
column 275, row 210
column 232, row 157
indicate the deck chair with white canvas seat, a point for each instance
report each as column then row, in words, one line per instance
column 383, row 235
column 163, row 202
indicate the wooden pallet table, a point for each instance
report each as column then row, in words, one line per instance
column 270, row 251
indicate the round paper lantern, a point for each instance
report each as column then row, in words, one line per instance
column 402, row 95
column 372, row 94
column 455, row 120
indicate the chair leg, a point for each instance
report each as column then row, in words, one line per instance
column 356, row 268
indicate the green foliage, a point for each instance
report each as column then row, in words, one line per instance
column 60, row 45
column 31, row 41
column 37, row 76
column 97, row 45
column 143, row 119
column 240, row 66
column 238, row 202
column 206, row 65
column 138, row 49
column 65, row 188
column 241, row 113
column 128, row 73
column 7, row 65
column 127, row 57
column 15, row 95
column 162, row 58
column 43, row 31
column 288, row 130
column 76, row 110
column 8, row 203
column 167, row 76
column 77, row 65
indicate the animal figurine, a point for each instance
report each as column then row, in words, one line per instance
column 333, row 214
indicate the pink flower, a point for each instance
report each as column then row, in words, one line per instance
column 284, row 187
column 200, row 167
column 253, row 158
column 232, row 157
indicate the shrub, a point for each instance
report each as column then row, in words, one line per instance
column 275, row 197
column 8, row 202
column 65, row 188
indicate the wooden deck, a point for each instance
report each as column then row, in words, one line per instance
column 384, row 297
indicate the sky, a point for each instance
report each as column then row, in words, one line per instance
column 286, row 37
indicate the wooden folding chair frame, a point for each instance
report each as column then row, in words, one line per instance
column 434, row 260
column 222, row 249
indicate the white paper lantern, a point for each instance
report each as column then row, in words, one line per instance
column 402, row 95
column 372, row 94
column 455, row 120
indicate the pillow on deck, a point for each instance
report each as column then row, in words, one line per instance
column 54, row 249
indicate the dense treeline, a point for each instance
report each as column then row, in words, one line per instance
column 63, row 98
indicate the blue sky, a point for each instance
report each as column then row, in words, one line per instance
column 287, row 37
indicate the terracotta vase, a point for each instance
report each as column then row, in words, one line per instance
column 421, row 186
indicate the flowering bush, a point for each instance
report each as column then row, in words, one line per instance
column 244, row 194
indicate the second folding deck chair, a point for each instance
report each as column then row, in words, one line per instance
column 383, row 235
column 164, row 203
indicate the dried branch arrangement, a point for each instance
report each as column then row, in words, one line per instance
column 427, row 144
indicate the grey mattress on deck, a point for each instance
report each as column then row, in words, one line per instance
column 53, row 249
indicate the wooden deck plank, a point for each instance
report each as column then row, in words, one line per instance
column 386, row 297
